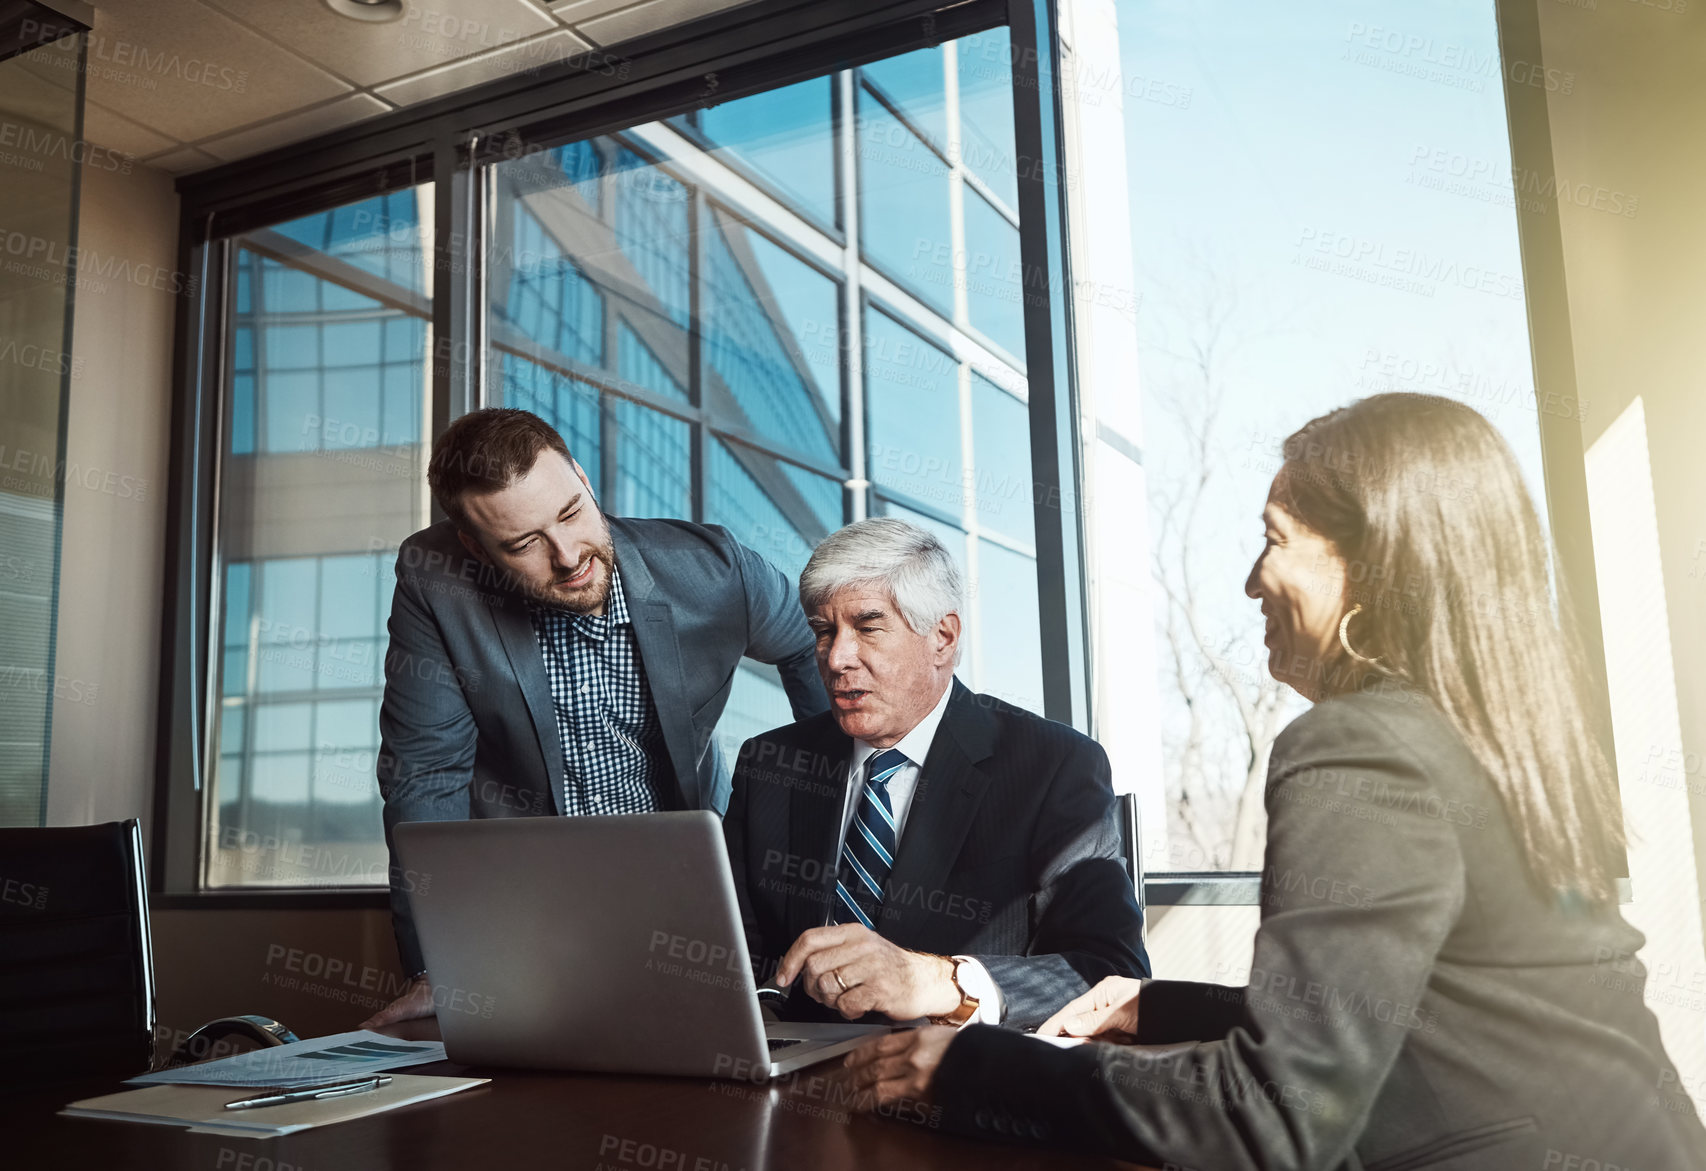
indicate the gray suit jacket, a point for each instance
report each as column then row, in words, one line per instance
column 467, row 727
column 1414, row 1001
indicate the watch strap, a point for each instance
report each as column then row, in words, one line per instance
column 968, row 1005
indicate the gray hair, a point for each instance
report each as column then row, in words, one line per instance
column 907, row 561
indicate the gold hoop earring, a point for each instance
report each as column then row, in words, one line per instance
column 1344, row 638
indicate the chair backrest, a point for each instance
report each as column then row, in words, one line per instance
column 76, row 960
column 1131, row 839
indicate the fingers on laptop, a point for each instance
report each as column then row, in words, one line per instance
column 414, row 1003
column 809, row 943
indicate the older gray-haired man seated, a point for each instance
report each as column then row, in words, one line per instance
column 921, row 850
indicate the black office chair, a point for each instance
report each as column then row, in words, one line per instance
column 76, row 966
column 1131, row 842
column 77, row 961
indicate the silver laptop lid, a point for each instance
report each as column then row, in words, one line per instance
column 610, row 944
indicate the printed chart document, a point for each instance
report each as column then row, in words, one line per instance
column 339, row 1057
column 202, row 1108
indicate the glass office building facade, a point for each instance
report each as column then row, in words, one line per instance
column 778, row 315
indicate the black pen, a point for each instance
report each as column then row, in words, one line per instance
column 311, row 1093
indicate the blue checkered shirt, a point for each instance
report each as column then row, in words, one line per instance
column 612, row 741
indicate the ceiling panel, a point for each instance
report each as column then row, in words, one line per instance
column 506, row 62
column 644, row 18
column 428, row 35
column 576, row 11
column 189, row 72
column 296, row 127
column 114, row 131
column 182, row 161
column 233, row 78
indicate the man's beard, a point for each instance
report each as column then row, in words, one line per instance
column 587, row 598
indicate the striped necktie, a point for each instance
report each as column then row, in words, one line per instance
column 868, row 854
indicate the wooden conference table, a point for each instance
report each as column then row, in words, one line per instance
column 566, row 1122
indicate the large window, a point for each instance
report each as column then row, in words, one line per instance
column 639, row 297
column 1305, row 215
column 325, row 420
column 681, row 302
column 813, row 303
column 802, row 306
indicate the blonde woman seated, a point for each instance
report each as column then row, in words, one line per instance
column 1441, row 978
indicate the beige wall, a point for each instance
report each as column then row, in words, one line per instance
column 1627, row 149
column 113, row 547
column 1635, row 125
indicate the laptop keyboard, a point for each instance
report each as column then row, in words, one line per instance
column 775, row 1043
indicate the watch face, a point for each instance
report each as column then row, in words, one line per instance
column 968, row 1004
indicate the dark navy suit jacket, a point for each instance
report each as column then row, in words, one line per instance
column 1010, row 853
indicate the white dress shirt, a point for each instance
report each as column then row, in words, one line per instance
column 974, row 978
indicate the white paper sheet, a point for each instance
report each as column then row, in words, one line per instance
column 202, row 1108
column 339, row 1057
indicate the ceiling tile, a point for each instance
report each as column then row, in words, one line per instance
column 430, row 33
column 189, row 72
column 643, row 18
column 182, row 161
column 295, row 127
column 575, row 11
column 114, row 131
column 41, row 87
column 503, row 63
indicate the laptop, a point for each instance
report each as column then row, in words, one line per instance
column 606, row 944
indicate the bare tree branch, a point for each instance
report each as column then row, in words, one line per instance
column 1228, row 712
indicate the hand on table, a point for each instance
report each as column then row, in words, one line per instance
column 1108, row 1012
column 898, row 1067
column 414, row 1002
column 853, row 970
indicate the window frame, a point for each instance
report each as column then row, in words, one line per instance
column 449, row 142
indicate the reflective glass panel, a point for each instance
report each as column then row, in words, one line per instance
column 766, row 315
column 323, row 462
column 985, row 70
column 913, row 415
column 1009, row 640
column 994, row 288
column 905, row 224
column 779, row 509
column 785, row 136
column 1001, row 441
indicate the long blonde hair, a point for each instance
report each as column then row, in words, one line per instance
column 1447, row 558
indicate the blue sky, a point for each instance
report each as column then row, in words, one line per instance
column 1259, row 139
column 1339, row 174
